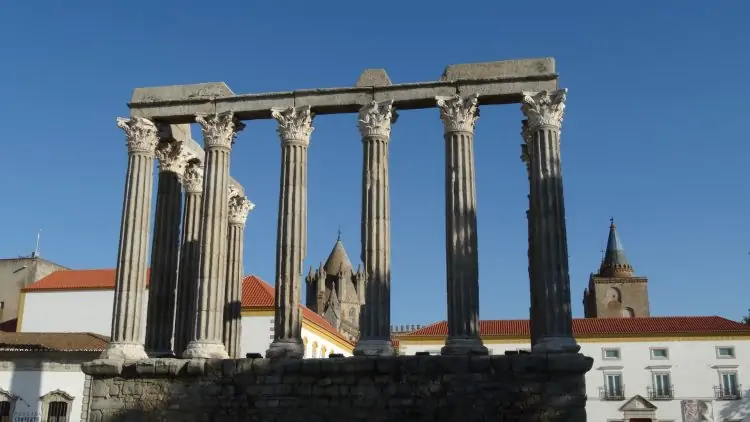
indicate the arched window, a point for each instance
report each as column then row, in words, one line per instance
column 614, row 295
column 323, row 352
column 315, row 350
column 628, row 312
column 304, row 342
column 7, row 405
column 56, row 406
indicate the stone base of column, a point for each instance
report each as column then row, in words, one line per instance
column 286, row 350
column 161, row 354
column 124, row 351
column 556, row 345
column 374, row 348
column 464, row 346
column 206, row 350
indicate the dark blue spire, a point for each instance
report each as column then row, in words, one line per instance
column 615, row 262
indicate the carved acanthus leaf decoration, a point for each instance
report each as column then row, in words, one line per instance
column 172, row 157
column 459, row 114
column 375, row 119
column 142, row 134
column 544, row 108
column 219, row 130
column 239, row 207
column 295, row 124
column 192, row 180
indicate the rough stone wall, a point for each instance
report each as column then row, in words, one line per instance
column 518, row 388
column 634, row 295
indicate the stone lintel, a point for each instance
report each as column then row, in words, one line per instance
column 179, row 92
column 504, row 89
column 499, row 69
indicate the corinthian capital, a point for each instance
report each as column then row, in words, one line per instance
column 193, row 178
column 239, row 207
column 219, row 130
column 459, row 114
column 142, row 134
column 295, row 124
column 375, row 119
column 544, row 108
column 172, row 157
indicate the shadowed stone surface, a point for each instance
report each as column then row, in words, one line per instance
column 518, row 388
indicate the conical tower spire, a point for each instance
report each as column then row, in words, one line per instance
column 338, row 261
column 615, row 262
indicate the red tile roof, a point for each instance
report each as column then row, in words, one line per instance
column 61, row 342
column 256, row 293
column 592, row 327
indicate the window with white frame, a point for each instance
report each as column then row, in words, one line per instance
column 613, row 387
column 729, row 384
column 725, row 352
column 56, row 406
column 7, row 405
column 610, row 353
column 662, row 386
column 4, row 411
column 659, row 353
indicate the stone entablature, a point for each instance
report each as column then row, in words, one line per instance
column 515, row 388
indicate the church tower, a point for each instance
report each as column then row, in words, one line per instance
column 615, row 291
column 336, row 291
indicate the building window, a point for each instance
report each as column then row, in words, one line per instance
column 613, row 388
column 4, row 411
column 725, row 352
column 7, row 405
column 729, row 387
column 611, row 354
column 659, row 353
column 661, row 388
column 56, row 406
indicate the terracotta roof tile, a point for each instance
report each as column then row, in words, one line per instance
column 62, row 342
column 591, row 327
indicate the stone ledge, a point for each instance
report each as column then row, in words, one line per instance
column 355, row 366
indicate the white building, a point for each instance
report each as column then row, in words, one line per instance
column 655, row 368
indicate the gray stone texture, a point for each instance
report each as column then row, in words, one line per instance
column 165, row 249
column 375, row 121
column 517, row 388
column 187, row 288
column 130, row 279
column 239, row 206
column 459, row 115
column 544, row 111
column 294, row 128
column 500, row 69
column 373, row 77
column 219, row 132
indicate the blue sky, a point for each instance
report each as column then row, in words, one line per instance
column 653, row 134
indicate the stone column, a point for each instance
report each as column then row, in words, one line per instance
column 165, row 250
column 130, row 279
column 535, row 321
column 459, row 115
column 187, row 288
column 551, row 278
column 295, row 127
column 239, row 207
column 375, row 127
column 219, row 132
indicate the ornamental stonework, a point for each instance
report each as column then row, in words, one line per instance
column 142, row 134
column 192, row 179
column 239, row 207
column 375, row 119
column 459, row 114
column 544, row 108
column 172, row 157
column 220, row 129
column 295, row 124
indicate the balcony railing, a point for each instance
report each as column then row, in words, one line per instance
column 723, row 393
column 660, row 393
column 612, row 394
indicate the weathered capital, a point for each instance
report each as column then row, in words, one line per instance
column 142, row 134
column 172, row 157
column 459, row 114
column 239, row 207
column 375, row 119
column 219, row 130
column 544, row 108
column 295, row 124
column 192, row 180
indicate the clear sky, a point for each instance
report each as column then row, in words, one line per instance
column 655, row 132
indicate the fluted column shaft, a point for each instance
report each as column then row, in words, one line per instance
column 239, row 206
column 187, row 288
column 295, row 127
column 544, row 111
column 130, row 279
column 219, row 131
column 375, row 121
column 165, row 250
column 536, row 320
column 459, row 116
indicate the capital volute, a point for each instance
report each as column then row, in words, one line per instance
column 544, row 108
column 375, row 119
column 459, row 114
column 295, row 124
column 142, row 135
column 239, row 207
column 192, row 180
column 219, row 129
column 172, row 157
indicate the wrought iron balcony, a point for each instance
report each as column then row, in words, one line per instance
column 660, row 393
column 727, row 393
column 612, row 394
